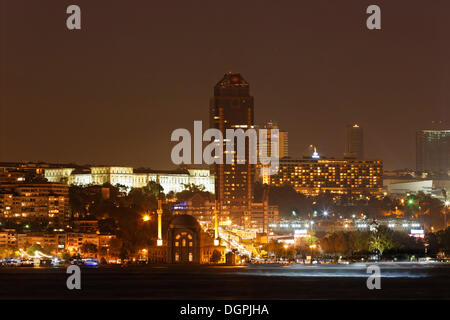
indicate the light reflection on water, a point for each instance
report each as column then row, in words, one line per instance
column 334, row 274
column 336, row 271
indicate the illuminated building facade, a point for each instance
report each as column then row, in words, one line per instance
column 302, row 227
column 232, row 108
column 265, row 147
column 354, row 142
column 34, row 200
column 313, row 176
column 433, row 151
column 8, row 238
column 283, row 141
column 262, row 214
column 61, row 241
column 403, row 186
column 170, row 180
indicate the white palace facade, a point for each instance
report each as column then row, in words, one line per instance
column 173, row 180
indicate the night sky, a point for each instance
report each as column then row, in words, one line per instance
column 113, row 92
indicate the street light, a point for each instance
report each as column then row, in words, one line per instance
column 325, row 213
column 146, row 218
column 313, row 246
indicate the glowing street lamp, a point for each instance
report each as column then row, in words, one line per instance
column 146, row 218
column 159, row 241
column 312, row 247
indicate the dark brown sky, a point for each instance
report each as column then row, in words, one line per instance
column 114, row 91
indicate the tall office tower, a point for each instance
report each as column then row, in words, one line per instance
column 433, row 151
column 265, row 147
column 232, row 108
column 283, row 142
column 354, row 142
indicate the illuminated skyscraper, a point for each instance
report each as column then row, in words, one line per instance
column 265, row 147
column 232, row 108
column 354, row 142
column 283, row 142
column 433, row 151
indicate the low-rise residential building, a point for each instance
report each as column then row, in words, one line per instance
column 58, row 242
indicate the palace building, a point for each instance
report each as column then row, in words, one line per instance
column 170, row 180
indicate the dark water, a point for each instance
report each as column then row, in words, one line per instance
column 399, row 281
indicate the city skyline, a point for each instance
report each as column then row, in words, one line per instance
column 89, row 113
column 233, row 157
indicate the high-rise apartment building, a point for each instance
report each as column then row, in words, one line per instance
column 354, row 142
column 265, row 146
column 232, row 108
column 283, row 141
column 313, row 176
column 433, row 151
